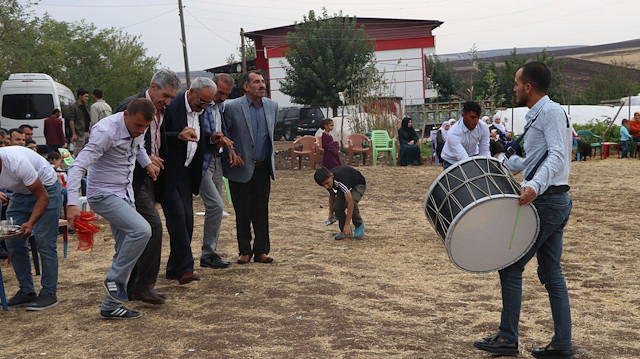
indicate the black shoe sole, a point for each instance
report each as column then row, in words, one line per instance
column 501, row 351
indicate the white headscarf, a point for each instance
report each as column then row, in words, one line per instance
column 444, row 132
column 499, row 126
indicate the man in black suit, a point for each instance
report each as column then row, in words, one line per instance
column 185, row 143
column 164, row 86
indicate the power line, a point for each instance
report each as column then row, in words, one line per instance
column 104, row 6
column 151, row 18
column 205, row 26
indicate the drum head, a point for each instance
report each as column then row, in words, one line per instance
column 512, row 232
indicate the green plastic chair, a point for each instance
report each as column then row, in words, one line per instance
column 595, row 141
column 380, row 141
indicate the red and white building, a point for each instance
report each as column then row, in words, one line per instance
column 401, row 49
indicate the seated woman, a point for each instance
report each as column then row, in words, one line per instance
column 441, row 137
column 410, row 151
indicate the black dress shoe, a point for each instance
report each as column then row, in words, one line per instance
column 147, row 296
column 497, row 345
column 546, row 353
column 214, row 262
column 161, row 295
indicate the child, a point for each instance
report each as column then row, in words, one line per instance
column 55, row 159
column 349, row 185
column 625, row 136
column 331, row 157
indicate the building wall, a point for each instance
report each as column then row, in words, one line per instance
column 403, row 72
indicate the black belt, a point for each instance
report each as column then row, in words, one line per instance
column 557, row 189
column 259, row 163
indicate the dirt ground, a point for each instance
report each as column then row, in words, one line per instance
column 394, row 294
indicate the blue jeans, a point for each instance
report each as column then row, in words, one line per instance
column 625, row 148
column 554, row 210
column 131, row 232
column 46, row 236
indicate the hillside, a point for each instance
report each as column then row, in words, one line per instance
column 581, row 64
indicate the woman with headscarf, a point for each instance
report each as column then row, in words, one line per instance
column 410, row 151
column 498, row 125
column 441, row 138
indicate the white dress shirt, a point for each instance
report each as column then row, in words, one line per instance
column 193, row 122
column 463, row 143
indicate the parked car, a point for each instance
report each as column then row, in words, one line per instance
column 294, row 121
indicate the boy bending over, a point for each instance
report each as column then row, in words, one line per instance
column 346, row 187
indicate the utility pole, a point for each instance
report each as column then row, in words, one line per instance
column 184, row 44
column 242, row 52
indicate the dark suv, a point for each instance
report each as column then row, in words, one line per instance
column 293, row 121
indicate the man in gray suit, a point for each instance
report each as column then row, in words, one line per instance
column 250, row 120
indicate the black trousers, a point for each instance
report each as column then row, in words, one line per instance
column 145, row 272
column 251, row 204
column 177, row 206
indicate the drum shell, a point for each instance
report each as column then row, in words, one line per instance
column 471, row 183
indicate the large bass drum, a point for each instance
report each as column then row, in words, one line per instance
column 473, row 206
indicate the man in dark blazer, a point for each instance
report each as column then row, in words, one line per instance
column 164, row 86
column 250, row 120
column 185, row 142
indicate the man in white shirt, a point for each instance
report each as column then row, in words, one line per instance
column 35, row 206
column 183, row 165
column 467, row 138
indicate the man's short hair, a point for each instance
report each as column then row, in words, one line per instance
column 200, row 82
column 22, row 127
column 54, row 155
column 538, row 75
column 55, row 110
column 245, row 78
column 97, row 92
column 472, row 106
column 29, row 141
column 18, row 130
column 321, row 175
column 81, row 92
column 166, row 78
column 3, row 132
column 143, row 106
column 625, row 121
column 224, row 78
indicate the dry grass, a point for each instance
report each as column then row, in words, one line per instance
column 394, row 294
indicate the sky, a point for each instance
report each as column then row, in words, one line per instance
column 213, row 26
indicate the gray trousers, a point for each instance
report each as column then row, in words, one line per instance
column 340, row 206
column 211, row 194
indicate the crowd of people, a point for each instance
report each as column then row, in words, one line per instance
column 162, row 146
column 159, row 147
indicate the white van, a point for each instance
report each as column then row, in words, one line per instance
column 29, row 98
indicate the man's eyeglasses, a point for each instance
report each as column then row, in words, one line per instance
column 202, row 102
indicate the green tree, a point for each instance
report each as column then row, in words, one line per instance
column 75, row 54
column 612, row 83
column 443, row 75
column 326, row 54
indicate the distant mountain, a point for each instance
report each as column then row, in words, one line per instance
column 501, row 52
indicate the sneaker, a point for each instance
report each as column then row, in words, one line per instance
column 359, row 232
column 120, row 313
column 497, row 345
column 339, row 236
column 225, row 214
column 44, row 301
column 21, row 299
column 116, row 291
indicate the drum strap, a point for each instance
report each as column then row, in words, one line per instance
column 535, row 169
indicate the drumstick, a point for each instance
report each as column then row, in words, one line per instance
column 514, row 227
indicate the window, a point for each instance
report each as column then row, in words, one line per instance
column 27, row 106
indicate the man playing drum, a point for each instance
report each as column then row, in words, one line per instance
column 467, row 138
column 546, row 168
